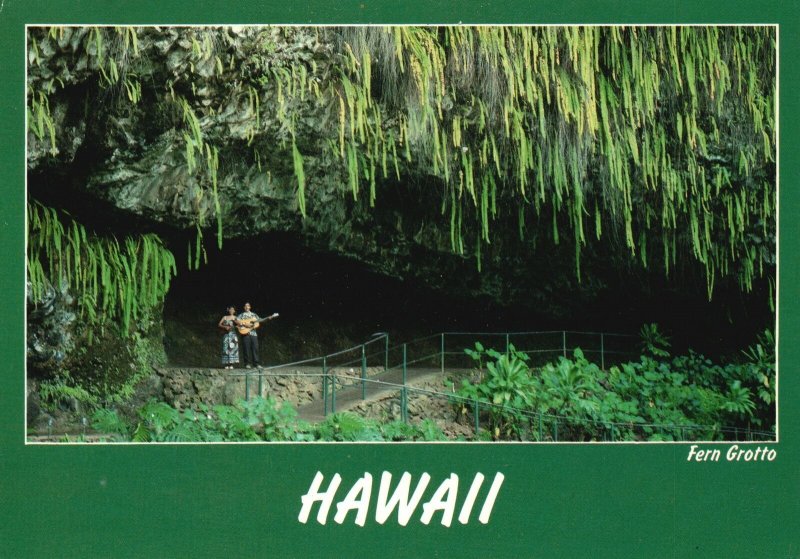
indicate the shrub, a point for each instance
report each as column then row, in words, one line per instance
column 654, row 398
column 507, row 387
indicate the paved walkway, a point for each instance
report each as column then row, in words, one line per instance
column 377, row 387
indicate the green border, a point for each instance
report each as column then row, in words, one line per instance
column 557, row 500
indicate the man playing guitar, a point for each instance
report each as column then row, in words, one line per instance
column 247, row 323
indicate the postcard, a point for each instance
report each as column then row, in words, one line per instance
column 385, row 280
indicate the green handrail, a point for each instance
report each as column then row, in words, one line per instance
column 606, row 430
column 363, row 373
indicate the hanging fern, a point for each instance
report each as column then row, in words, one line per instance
column 633, row 123
column 659, row 138
column 112, row 281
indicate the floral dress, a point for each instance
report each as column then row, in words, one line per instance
column 230, row 344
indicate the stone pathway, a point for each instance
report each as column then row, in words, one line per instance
column 378, row 386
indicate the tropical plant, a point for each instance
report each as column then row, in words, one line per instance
column 112, row 282
column 654, row 398
column 347, row 426
column 258, row 419
column 762, row 363
column 507, row 386
column 653, row 341
column 62, row 389
column 398, row 431
column 739, row 400
column 570, row 385
column 429, row 430
column 108, row 421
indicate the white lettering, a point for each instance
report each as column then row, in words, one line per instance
column 325, row 499
column 703, row 455
column 405, row 508
column 449, row 487
column 444, row 499
column 760, row 454
column 771, row 455
column 488, row 505
column 357, row 498
column 466, row 508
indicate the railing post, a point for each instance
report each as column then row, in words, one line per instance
column 247, row 387
column 442, row 352
column 541, row 433
column 333, row 390
column 555, row 430
column 602, row 351
column 260, row 384
column 386, row 353
column 507, row 343
column 363, row 373
column 325, row 386
column 404, row 399
column 477, row 416
column 405, row 363
column 564, row 342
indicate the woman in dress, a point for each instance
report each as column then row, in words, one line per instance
column 230, row 341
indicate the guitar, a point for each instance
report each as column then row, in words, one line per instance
column 246, row 326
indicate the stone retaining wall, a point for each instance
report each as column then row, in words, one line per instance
column 188, row 387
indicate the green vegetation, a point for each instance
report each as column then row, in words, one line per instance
column 106, row 373
column 656, row 398
column 113, row 282
column 259, row 419
column 626, row 126
column 661, row 138
column 658, row 142
column 117, row 290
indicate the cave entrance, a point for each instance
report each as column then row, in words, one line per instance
column 329, row 302
column 326, row 302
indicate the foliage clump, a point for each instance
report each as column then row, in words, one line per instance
column 113, row 292
column 105, row 374
column 257, row 419
column 658, row 397
column 655, row 398
column 114, row 282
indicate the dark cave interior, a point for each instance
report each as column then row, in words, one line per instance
column 327, row 302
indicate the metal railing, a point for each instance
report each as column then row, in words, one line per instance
column 372, row 354
column 355, row 366
column 441, row 351
column 540, row 426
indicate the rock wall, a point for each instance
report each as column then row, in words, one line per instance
column 131, row 156
column 427, row 400
column 188, row 387
column 50, row 326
